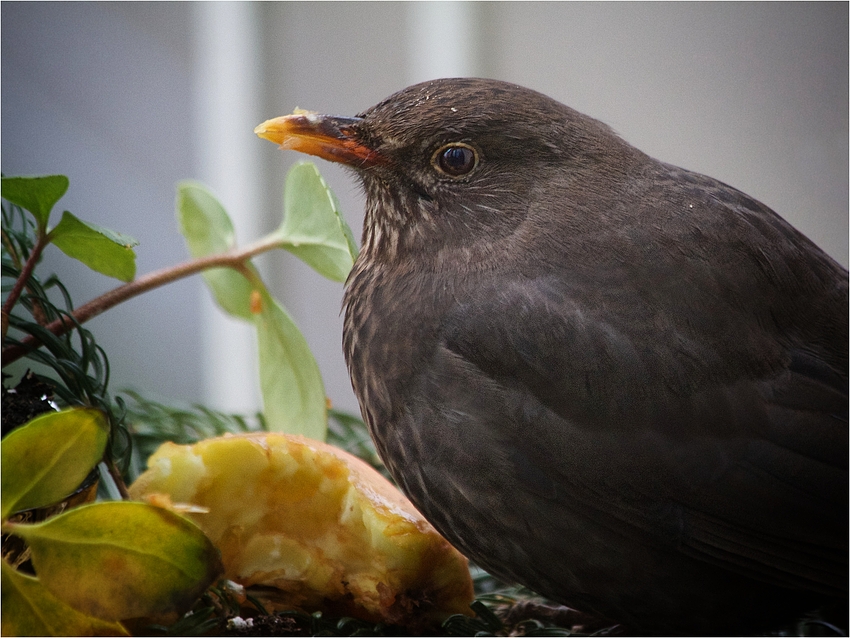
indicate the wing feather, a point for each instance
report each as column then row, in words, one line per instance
column 747, row 473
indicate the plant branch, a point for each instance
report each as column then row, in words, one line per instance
column 235, row 259
column 115, row 474
column 10, row 248
column 37, row 310
column 22, row 280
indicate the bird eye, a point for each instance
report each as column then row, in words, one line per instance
column 455, row 159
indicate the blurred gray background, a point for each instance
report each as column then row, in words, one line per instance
column 129, row 98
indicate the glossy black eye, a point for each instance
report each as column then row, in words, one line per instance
column 455, row 159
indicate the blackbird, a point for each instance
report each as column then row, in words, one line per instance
column 617, row 382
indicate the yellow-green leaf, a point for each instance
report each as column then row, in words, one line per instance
column 291, row 385
column 103, row 250
column 46, row 460
column 207, row 228
column 30, row 610
column 293, row 392
column 313, row 228
column 36, row 194
column 119, row 560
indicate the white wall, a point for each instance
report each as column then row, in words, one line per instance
column 754, row 94
column 102, row 93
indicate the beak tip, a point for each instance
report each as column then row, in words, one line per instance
column 328, row 137
column 268, row 131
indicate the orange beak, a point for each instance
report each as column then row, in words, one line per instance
column 331, row 138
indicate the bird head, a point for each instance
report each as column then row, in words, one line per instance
column 453, row 160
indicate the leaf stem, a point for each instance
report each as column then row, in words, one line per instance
column 235, row 259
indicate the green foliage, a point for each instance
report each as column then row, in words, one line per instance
column 292, row 388
column 99, row 562
column 74, row 366
column 46, row 460
column 109, row 560
column 313, row 228
column 120, row 560
column 101, row 249
column 36, row 194
column 293, row 392
column 19, row 233
column 29, row 609
column 207, row 229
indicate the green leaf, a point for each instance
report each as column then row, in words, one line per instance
column 292, row 388
column 208, row 230
column 31, row 610
column 36, row 194
column 313, row 228
column 46, row 460
column 293, row 393
column 122, row 559
column 100, row 249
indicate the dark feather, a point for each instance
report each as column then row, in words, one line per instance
column 615, row 381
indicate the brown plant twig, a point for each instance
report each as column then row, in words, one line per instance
column 10, row 248
column 234, row 259
column 22, row 280
column 37, row 310
column 115, row 473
